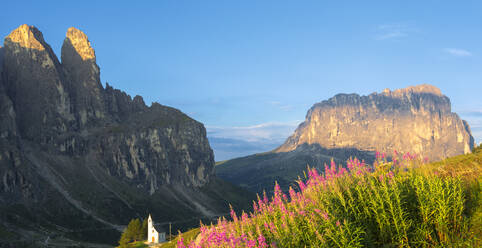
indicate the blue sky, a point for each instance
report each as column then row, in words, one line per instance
column 249, row 70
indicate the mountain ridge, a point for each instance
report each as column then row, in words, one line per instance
column 77, row 157
column 416, row 119
column 427, row 110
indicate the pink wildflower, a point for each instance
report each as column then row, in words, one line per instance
column 180, row 242
column 233, row 215
column 251, row 244
column 262, row 241
column 292, row 194
column 325, row 216
column 390, row 174
column 302, row 185
column 244, row 217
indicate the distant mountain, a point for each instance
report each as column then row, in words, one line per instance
column 415, row 119
column 78, row 161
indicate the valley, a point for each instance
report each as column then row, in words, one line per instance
column 416, row 119
column 78, row 160
column 258, row 124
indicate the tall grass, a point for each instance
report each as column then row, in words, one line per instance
column 387, row 204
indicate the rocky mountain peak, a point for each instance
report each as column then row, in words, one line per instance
column 414, row 119
column 28, row 42
column 96, row 153
column 27, row 36
column 63, row 107
column 1, row 58
column 80, row 43
column 421, row 98
column 418, row 89
column 83, row 77
column 32, row 79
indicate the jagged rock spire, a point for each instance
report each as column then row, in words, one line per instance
column 25, row 40
column 414, row 119
column 421, row 88
column 83, row 76
column 80, row 43
column 34, row 83
column 27, row 36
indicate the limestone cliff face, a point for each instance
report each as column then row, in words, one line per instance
column 415, row 119
column 1, row 59
column 66, row 139
column 33, row 80
column 152, row 151
column 64, row 107
column 83, row 78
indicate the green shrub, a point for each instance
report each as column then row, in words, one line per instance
column 389, row 204
column 135, row 231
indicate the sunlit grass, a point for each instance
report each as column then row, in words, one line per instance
column 399, row 203
column 187, row 237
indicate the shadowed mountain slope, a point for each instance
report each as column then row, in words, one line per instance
column 78, row 161
column 417, row 119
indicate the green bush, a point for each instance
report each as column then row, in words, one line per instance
column 389, row 204
column 135, row 231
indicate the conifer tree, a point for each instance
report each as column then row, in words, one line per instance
column 124, row 240
column 134, row 231
column 144, row 229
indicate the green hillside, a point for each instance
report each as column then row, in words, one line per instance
column 399, row 203
column 259, row 172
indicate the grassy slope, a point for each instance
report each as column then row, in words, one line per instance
column 187, row 237
column 217, row 194
column 467, row 166
column 259, row 172
column 166, row 206
column 469, row 169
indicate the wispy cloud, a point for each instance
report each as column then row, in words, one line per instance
column 231, row 142
column 393, row 31
column 458, row 52
column 280, row 105
column 474, row 118
column 225, row 148
column 265, row 131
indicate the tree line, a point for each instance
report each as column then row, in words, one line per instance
column 135, row 231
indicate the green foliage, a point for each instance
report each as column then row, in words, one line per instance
column 187, row 237
column 258, row 172
column 467, row 166
column 404, row 203
column 144, row 229
column 477, row 149
column 124, row 240
column 135, row 231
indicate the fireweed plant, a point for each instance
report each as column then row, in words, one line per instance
column 387, row 204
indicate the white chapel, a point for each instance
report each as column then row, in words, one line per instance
column 153, row 236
